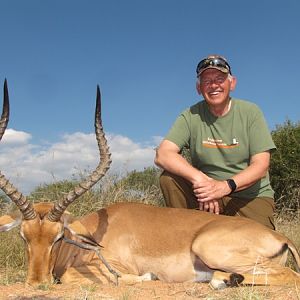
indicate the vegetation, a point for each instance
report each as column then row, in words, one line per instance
column 285, row 166
column 135, row 187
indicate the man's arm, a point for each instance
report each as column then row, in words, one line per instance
column 207, row 190
column 257, row 169
column 169, row 159
column 213, row 189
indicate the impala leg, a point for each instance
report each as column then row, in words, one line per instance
column 222, row 280
column 131, row 279
column 278, row 276
column 97, row 273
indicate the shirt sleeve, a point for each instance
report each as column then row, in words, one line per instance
column 259, row 133
column 180, row 132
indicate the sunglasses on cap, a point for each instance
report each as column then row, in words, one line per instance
column 215, row 63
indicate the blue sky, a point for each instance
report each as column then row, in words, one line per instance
column 143, row 55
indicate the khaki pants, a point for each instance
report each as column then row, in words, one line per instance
column 178, row 193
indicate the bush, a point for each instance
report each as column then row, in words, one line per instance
column 135, row 187
column 143, row 186
column 142, row 179
column 56, row 191
column 285, row 165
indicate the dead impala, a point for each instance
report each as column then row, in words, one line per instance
column 142, row 242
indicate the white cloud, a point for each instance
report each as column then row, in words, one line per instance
column 27, row 165
column 157, row 139
column 13, row 137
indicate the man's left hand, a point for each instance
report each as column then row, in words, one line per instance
column 208, row 193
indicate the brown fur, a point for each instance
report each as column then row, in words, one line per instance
column 175, row 245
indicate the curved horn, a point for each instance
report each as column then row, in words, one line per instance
column 105, row 161
column 5, row 110
column 21, row 201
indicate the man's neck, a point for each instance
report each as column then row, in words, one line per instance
column 220, row 111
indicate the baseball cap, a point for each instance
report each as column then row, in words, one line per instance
column 213, row 62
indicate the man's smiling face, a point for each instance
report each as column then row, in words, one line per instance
column 215, row 86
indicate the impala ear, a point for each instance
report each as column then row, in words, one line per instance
column 8, row 222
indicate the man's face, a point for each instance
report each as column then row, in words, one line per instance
column 215, row 86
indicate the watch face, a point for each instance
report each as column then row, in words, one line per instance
column 231, row 184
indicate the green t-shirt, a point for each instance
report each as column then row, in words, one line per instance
column 222, row 146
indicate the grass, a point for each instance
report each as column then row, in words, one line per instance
column 288, row 223
column 12, row 258
column 12, row 253
column 110, row 190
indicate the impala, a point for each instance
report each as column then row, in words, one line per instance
column 135, row 242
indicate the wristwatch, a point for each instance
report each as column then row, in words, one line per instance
column 231, row 183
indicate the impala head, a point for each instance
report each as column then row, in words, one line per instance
column 43, row 224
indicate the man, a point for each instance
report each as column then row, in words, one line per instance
column 229, row 145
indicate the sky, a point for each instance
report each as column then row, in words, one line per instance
column 143, row 54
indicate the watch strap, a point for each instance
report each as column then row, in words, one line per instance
column 231, row 183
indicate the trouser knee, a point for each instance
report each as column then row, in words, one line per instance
column 177, row 191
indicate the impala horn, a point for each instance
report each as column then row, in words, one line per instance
column 21, row 201
column 61, row 205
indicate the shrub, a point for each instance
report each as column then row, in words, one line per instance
column 285, row 165
column 142, row 186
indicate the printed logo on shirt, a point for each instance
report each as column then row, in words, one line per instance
column 213, row 143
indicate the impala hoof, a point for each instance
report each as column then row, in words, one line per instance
column 149, row 277
column 217, row 284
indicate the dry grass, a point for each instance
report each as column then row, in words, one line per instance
column 109, row 190
column 13, row 263
column 288, row 223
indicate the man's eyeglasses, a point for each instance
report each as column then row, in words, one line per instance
column 218, row 80
column 217, row 63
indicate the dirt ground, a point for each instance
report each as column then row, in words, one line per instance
column 145, row 291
